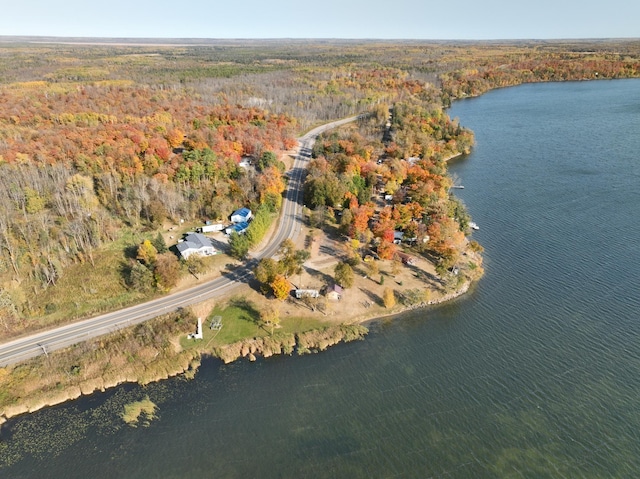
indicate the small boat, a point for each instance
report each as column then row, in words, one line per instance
column 473, row 226
column 458, row 187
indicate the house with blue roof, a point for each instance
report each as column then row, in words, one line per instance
column 243, row 215
column 239, row 228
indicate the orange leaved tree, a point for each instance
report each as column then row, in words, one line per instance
column 281, row 287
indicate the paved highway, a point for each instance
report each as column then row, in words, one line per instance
column 289, row 227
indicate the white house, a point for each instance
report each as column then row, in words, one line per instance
column 243, row 215
column 196, row 243
column 245, row 162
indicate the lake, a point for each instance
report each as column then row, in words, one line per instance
column 534, row 373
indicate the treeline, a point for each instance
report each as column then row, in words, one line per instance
column 501, row 71
column 129, row 129
column 240, row 244
column 316, row 81
column 148, row 154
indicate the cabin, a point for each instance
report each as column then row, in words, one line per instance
column 243, row 215
column 245, row 162
column 334, row 292
column 399, row 237
column 195, row 243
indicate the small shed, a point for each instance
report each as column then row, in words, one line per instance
column 334, row 292
column 245, row 162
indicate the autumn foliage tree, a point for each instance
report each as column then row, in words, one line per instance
column 291, row 259
column 343, row 274
column 281, row 287
column 147, row 253
column 166, row 271
column 266, row 272
column 93, row 144
column 175, row 137
column 446, row 240
column 387, row 249
column 270, row 316
column 389, row 298
column 271, row 185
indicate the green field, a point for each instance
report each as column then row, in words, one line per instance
column 241, row 320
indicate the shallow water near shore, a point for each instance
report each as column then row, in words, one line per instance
column 534, row 373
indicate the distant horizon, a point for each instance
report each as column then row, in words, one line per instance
column 472, row 20
column 108, row 39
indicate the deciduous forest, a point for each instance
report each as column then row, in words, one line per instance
column 103, row 145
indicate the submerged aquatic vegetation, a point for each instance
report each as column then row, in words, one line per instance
column 134, row 410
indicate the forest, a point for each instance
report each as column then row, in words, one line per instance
column 104, row 145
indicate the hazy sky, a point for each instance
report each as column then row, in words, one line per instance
column 412, row 19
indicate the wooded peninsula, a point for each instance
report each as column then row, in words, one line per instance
column 111, row 152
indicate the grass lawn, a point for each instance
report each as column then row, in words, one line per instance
column 241, row 320
column 299, row 324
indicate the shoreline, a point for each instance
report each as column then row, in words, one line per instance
column 187, row 362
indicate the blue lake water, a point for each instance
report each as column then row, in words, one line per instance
column 534, row 373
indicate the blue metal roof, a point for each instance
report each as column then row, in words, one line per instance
column 242, row 212
column 241, row 226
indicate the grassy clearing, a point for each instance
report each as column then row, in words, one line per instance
column 86, row 289
column 241, row 320
column 238, row 322
column 298, row 324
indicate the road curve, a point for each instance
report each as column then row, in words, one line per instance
column 289, row 227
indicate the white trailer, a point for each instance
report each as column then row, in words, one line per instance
column 211, row 228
